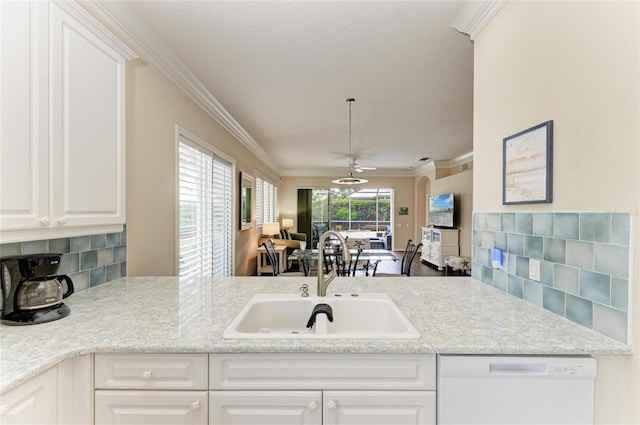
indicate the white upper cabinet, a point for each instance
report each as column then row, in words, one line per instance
column 62, row 122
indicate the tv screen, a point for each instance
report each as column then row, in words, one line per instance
column 441, row 210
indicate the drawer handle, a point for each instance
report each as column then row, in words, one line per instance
column 4, row 409
column 146, row 374
column 332, row 405
column 195, row 405
column 313, row 406
column 45, row 220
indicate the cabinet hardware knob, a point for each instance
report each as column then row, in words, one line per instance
column 313, row 406
column 45, row 220
column 4, row 409
column 62, row 220
column 332, row 405
column 195, row 405
column 146, row 374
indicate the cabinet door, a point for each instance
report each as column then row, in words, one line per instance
column 24, row 156
column 87, row 77
column 150, row 407
column 33, row 402
column 379, row 407
column 265, row 407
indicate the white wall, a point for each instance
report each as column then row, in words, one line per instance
column 577, row 63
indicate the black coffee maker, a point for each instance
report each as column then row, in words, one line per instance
column 32, row 292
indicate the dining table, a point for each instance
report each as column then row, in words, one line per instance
column 371, row 256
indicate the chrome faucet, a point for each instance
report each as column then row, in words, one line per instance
column 325, row 280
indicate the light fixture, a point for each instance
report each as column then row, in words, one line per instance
column 350, row 180
column 271, row 229
column 287, row 223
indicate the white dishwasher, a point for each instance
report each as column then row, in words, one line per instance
column 515, row 390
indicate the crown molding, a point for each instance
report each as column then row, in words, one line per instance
column 475, row 16
column 125, row 23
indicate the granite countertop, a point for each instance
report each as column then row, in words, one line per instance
column 456, row 315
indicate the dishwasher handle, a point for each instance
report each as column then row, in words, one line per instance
column 518, row 369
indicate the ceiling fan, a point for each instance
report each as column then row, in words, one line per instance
column 359, row 168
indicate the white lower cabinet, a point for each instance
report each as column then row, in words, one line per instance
column 151, row 407
column 34, row 402
column 265, row 407
column 322, row 407
column 261, row 389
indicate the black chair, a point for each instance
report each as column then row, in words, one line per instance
column 336, row 261
column 274, row 265
column 410, row 252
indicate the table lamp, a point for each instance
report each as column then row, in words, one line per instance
column 287, row 223
column 271, row 229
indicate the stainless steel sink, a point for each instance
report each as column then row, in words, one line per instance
column 269, row 316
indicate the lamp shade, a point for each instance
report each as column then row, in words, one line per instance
column 271, row 228
column 287, row 223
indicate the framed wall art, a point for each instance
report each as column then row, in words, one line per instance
column 527, row 164
column 246, row 200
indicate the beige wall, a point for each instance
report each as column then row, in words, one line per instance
column 405, row 225
column 577, row 63
column 154, row 107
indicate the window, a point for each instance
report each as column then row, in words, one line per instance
column 205, row 181
column 266, row 201
column 352, row 209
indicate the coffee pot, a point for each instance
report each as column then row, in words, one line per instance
column 32, row 292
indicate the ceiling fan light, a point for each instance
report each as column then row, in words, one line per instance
column 350, row 180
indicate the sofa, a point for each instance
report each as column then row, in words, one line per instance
column 291, row 244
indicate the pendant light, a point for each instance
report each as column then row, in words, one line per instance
column 350, row 180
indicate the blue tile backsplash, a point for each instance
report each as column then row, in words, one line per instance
column 88, row 260
column 584, row 263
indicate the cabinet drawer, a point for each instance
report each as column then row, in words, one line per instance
column 151, row 371
column 330, row 371
column 151, row 407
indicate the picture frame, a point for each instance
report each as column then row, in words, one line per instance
column 403, row 210
column 245, row 198
column 527, row 166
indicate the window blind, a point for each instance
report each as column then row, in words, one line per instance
column 266, row 202
column 205, row 211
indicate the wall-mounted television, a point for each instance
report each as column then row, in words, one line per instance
column 442, row 210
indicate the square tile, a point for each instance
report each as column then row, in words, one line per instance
column 10, row 249
column 476, row 237
column 500, row 279
column 546, row 273
column 533, row 292
column 70, row 263
column 515, row 286
column 580, row 310
column 512, row 261
column 62, row 245
column 580, row 254
column 476, row 271
column 543, row 224
column 500, row 240
column 80, row 280
column 620, row 228
column 113, row 272
column 97, row 276
column 612, row 259
column 80, row 243
column 555, row 250
column 595, row 287
column 98, row 241
column 595, row 227
column 487, row 275
column 494, row 223
column 105, row 257
column 515, row 244
column 533, row 247
column 620, row 293
column 610, row 322
column 88, row 260
column 487, row 239
column 120, row 254
column 508, row 222
column 567, row 225
column 123, row 269
column 566, row 279
column 524, row 223
column 113, row 239
column 480, row 221
column 553, row 300
column 522, row 267
column 35, row 247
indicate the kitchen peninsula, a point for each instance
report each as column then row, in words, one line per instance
column 169, row 315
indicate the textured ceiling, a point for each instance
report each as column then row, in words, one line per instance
column 284, row 69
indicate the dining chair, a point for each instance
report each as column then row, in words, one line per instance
column 274, row 264
column 410, row 252
column 337, row 262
